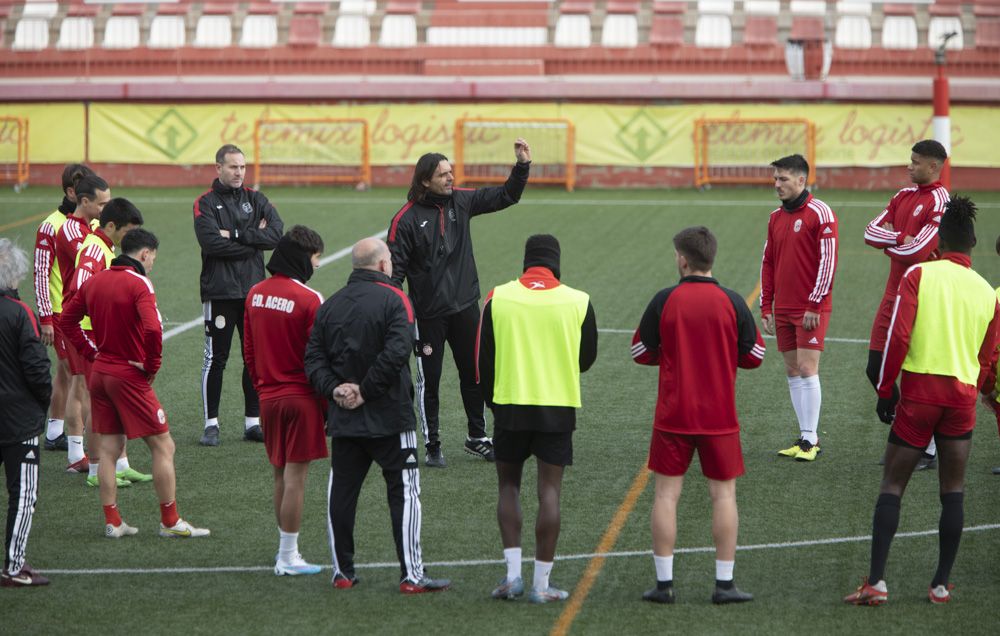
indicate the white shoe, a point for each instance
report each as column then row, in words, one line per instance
column 117, row 532
column 296, row 567
column 183, row 530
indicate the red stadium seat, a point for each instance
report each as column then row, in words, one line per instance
column 987, row 26
column 667, row 28
column 304, row 31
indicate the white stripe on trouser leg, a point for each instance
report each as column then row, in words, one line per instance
column 421, row 390
column 329, row 524
column 411, row 513
column 27, row 497
column 206, row 366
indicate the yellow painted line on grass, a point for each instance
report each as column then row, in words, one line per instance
column 608, row 541
column 753, row 295
column 30, row 219
column 596, row 564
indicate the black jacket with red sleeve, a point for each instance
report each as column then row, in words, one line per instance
column 25, row 383
column 431, row 244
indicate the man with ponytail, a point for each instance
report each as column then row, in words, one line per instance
column 944, row 341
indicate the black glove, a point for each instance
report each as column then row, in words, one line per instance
column 886, row 407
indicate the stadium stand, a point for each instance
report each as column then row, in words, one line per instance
column 541, row 38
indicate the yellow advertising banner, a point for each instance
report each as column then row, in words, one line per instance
column 617, row 135
column 56, row 132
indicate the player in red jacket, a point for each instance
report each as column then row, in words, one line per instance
column 796, row 284
column 48, row 298
column 907, row 232
column 278, row 318
column 698, row 333
column 126, row 351
column 92, row 194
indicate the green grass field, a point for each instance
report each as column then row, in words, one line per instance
column 806, row 523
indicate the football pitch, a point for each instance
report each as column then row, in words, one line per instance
column 804, row 526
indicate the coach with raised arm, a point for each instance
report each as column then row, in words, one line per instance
column 431, row 245
column 234, row 225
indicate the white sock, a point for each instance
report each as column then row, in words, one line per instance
column 795, row 390
column 288, row 545
column 664, row 567
column 92, row 471
column 512, row 556
column 251, row 422
column 121, row 464
column 542, row 571
column 212, row 421
column 75, row 444
column 724, row 570
column 810, row 397
column 55, row 429
column 931, row 448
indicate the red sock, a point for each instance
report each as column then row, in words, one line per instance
column 111, row 515
column 168, row 514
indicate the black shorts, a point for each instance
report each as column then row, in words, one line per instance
column 514, row 447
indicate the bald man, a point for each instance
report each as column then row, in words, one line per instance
column 358, row 358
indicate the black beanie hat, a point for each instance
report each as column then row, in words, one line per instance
column 542, row 250
column 289, row 258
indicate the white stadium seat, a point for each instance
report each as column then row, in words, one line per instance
column 572, row 30
column 121, row 32
column 259, row 32
column 398, row 31
column 714, row 28
column 213, row 31
column 899, row 32
column 621, row 30
column 942, row 25
column 76, row 33
column 352, row 30
column 31, row 34
column 166, row 32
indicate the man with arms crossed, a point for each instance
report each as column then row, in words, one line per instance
column 707, row 331
column 234, row 225
column 796, row 285
column 945, row 329
column 907, row 232
column 278, row 318
column 431, row 243
column 536, row 337
column 126, row 352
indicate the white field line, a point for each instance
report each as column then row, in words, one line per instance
column 850, row 340
column 478, row 562
column 874, row 206
column 200, row 320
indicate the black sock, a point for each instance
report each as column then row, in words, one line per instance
column 884, row 526
column 664, row 585
column 725, row 585
column 949, row 535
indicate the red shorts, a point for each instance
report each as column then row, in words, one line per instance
column 294, row 429
column 129, row 407
column 880, row 328
column 721, row 456
column 915, row 423
column 790, row 334
column 58, row 342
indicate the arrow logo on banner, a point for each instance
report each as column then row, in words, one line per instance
column 171, row 134
column 642, row 135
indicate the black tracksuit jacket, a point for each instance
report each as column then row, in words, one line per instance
column 431, row 244
column 231, row 266
column 25, row 383
column 364, row 334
